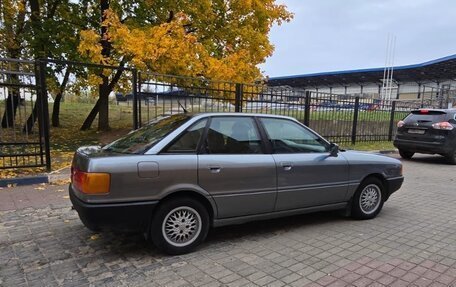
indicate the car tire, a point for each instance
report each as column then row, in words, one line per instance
column 179, row 225
column 406, row 154
column 451, row 158
column 368, row 199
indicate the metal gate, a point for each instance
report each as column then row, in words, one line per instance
column 24, row 116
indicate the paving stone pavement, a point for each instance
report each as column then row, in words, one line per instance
column 411, row 243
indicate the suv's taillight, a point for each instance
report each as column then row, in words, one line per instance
column 400, row 124
column 443, row 126
column 90, row 182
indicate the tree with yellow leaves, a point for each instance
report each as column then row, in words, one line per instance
column 214, row 39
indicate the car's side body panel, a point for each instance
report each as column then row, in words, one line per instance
column 310, row 179
column 240, row 184
column 363, row 164
column 278, row 214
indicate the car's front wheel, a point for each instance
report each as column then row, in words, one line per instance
column 406, row 154
column 368, row 199
column 179, row 225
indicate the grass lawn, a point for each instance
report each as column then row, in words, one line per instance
column 370, row 146
column 67, row 138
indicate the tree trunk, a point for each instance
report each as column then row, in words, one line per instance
column 91, row 117
column 103, row 111
column 104, row 92
column 58, row 99
column 56, row 110
column 28, row 126
column 12, row 102
column 101, row 108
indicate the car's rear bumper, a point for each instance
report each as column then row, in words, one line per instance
column 131, row 216
column 393, row 184
column 424, row 147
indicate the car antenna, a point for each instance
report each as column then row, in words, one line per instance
column 185, row 110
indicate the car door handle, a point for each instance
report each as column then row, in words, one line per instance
column 215, row 169
column 286, row 165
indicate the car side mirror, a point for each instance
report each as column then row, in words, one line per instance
column 333, row 149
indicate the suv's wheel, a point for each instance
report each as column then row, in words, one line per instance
column 406, row 154
column 451, row 158
column 368, row 199
column 179, row 225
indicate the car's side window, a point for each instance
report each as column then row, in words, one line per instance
column 233, row 135
column 287, row 136
column 188, row 141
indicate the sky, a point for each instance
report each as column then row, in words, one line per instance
column 334, row 35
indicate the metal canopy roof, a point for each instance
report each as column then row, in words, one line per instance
column 438, row 70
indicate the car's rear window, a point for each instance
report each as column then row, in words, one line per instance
column 429, row 116
column 141, row 140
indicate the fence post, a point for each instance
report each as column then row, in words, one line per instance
column 43, row 111
column 307, row 108
column 238, row 98
column 355, row 121
column 135, row 99
column 391, row 125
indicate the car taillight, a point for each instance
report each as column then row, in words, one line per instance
column 443, row 126
column 400, row 124
column 90, row 182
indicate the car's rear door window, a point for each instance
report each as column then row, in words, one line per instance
column 188, row 141
column 141, row 140
column 287, row 136
column 233, row 135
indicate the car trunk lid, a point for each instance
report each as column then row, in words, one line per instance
column 83, row 155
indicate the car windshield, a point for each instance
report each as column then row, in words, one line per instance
column 141, row 140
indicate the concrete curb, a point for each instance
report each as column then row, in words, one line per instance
column 61, row 174
column 29, row 180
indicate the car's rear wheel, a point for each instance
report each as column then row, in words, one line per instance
column 179, row 225
column 368, row 199
column 406, row 154
column 451, row 158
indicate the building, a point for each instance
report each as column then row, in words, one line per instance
column 432, row 80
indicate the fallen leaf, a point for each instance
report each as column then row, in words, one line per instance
column 60, row 190
column 94, row 237
column 66, row 221
column 40, row 188
column 61, row 181
column 65, row 196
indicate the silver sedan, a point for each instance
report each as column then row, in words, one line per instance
column 180, row 175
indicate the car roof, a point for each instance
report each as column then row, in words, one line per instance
column 204, row 115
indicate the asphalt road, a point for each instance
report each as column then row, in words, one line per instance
column 411, row 243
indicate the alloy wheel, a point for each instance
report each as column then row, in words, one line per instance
column 181, row 226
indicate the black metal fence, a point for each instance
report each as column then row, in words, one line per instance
column 341, row 119
column 24, row 130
